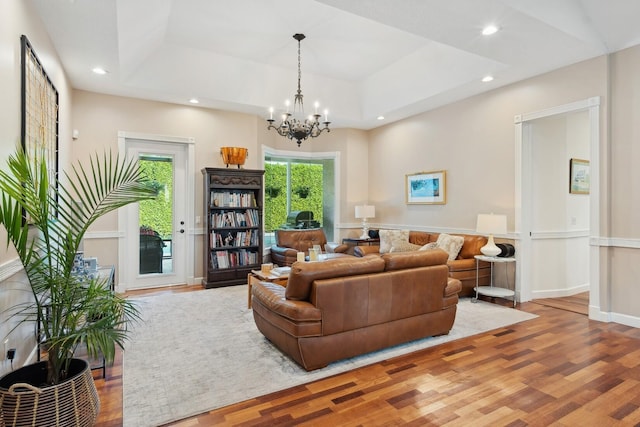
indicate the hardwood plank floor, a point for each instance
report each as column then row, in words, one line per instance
column 578, row 303
column 558, row 369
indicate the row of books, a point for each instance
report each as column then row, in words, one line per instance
column 229, row 239
column 248, row 218
column 229, row 259
column 232, row 200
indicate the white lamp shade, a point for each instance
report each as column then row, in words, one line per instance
column 365, row 211
column 491, row 224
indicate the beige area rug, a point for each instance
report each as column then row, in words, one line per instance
column 198, row 351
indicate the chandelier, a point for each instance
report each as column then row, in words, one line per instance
column 292, row 127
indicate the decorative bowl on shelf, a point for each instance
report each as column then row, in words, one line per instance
column 234, row 155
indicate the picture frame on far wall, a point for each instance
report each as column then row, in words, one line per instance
column 579, row 176
column 426, row 188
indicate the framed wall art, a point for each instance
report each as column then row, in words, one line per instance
column 39, row 131
column 579, row 177
column 427, row 188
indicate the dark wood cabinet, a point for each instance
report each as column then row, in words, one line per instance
column 233, row 218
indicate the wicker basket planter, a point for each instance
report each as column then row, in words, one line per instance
column 73, row 402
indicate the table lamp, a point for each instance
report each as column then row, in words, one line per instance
column 364, row 212
column 491, row 224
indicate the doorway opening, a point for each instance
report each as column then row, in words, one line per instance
column 555, row 255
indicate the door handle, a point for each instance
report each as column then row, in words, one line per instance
column 182, row 230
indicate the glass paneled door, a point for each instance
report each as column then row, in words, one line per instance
column 155, row 217
column 156, row 230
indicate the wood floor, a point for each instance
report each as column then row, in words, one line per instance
column 559, row 369
column 578, row 303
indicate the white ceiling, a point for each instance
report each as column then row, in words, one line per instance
column 361, row 58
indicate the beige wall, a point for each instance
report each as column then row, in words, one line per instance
column 473, row 140
column 621, row 263
column 17, row 18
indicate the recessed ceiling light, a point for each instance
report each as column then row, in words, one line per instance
column 489, row 29
column 194, row 101
column 100, row 70
column 487, row 79
column 380, row 117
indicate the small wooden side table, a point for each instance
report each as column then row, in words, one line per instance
column 256, row 276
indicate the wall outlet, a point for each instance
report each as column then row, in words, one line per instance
column 11, row 353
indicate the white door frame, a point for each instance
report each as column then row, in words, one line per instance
column 523, row 220
column 124, row 215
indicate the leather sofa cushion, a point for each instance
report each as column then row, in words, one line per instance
column 471, row 246
column 304, row 273
column 403, row 260
column 422, row 237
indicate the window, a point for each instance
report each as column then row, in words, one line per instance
column 298, row 185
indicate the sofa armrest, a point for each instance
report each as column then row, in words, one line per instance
column 272, row 297
column 453, row 287
column 366, row 250
column 284, row 251
column 335, row 248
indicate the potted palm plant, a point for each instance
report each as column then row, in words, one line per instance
column 46, row 222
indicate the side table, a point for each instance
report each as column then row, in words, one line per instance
column 493, row 291
column 360, row 242
column 257, row 276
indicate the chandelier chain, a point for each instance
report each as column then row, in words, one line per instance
column 297, row 99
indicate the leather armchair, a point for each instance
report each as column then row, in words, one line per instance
column 291, row 241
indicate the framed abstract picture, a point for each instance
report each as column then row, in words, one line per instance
column 426, row 188
column 579, row 177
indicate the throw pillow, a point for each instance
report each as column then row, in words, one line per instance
column 404, row 247
column 450, row 244
column 432, row 245
column 389, row 238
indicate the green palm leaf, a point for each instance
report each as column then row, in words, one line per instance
column 46, row 223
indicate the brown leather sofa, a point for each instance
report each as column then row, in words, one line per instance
column 348, row 306
column 291, row 241
column 462, row 268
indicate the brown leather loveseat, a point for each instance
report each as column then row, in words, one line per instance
column 343, row 307
column 291, row 241
column 462, row 268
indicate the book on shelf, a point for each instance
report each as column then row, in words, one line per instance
column 232, row 200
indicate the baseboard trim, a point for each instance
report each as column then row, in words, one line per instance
column 623, row 319
column 559, row 293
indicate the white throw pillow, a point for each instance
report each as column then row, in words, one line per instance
column 389, row 238
column 404, row 247
column 432, row 245
column 450, row 244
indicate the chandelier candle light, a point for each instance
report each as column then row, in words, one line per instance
column 491, row 224
column 292, row 127
column 364, row 212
